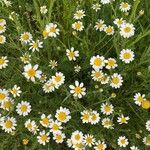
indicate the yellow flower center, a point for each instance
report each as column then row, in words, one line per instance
column 71, row 54
column 77, row 90
column 23, row 108
column 2, row 96
column 120, row 22
column 123, row 120
column 45, row 121
column 1, row 39
column 44, row 137
column 140, row 99
column 89, row 140
column 52, row 29
column 78, row 25
column 25, row 36
column 109, row 30
column 127, row 29
column 97, row 62
column 146, row 104
column 127, row 55
column 14, row 91
column 1, row 27
column 29, row 126
column 98, row 74
column 100, row 146
column 86, row 116
column 125, row 5
column 93, row 117
column 62, row 116
column 1, row 20
column 35, row 45
column 99, row 25
column 77, row 137
column 58, row 137
column 115, row 80
column 107, row 108
column 111, row 63
column 107, row 123
column 7, row 104
column 2, row 61
column 45, row 34
column 8, row 124
column 31, row 73
column 123, row 141
column 58, row 78
column 55, row 127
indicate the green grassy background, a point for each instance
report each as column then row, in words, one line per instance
column 89, row 42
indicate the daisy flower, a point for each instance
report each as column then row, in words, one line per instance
column 45, row 34
column 148, row 125
column 146, row 140
column 3, row 95
column 126, row 55
column 85, row 116
column 55, row 126
column 94, row 117
column 77, row 137
column 100, row 145
column 43, row 10
column 30, row 72
column 119, row 22
column 78, row 26
column 107, row 123
column 26, row 37
column 8, row 124
column 63, row 115
column 46, row 120
column 107, row 108
column 97, row 75
column 96, row 7
column 111, row 63
column 15, row 91
column 78, row 90
column 139, row 98
column 23, row 108
column 2, row 22
column 105, row 79
column 26, row 58
column 31, row 126
column 72, row 54
column 124, row 7
column 43, row 78
column 58, row 79
column 43, row 137
column 35, row 45
column 89, row 140
column 79, row 14
column 122, row 119
column 52, row 30
column 49, row 86
column 109, row 30
column 69, row 143
column 116, row 81
column 2, row 29
column 59, row 137
column 123, row 141
column 7, row 104
column 77, row 68
column 100, row 25
column 2, row 39
column 3, row 62
column 134, row 148
column 53, row 64
column 78, row 146
column 97, row 62
column 127, row 30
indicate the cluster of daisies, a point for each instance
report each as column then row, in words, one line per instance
column 99, row 62
column 3, row 59
column 53, row 127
